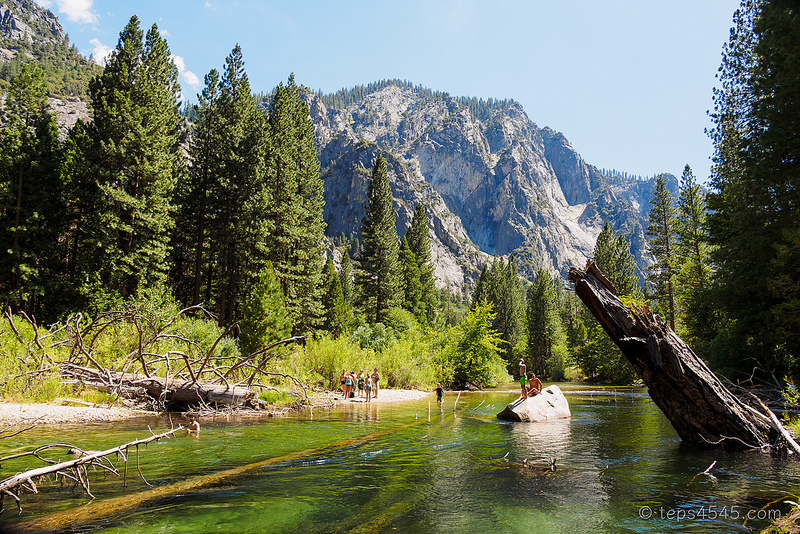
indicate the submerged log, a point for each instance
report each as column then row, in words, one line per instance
column 699, row 406
column 548, row 405
column 167, row 390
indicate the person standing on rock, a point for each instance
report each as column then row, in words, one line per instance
column 523, row 377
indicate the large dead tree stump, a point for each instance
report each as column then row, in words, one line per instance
column 699, row 406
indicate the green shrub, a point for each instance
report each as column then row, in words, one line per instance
column 274, row 396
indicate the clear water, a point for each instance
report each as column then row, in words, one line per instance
column 620, row 467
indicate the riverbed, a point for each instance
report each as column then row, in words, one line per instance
column 616, row 466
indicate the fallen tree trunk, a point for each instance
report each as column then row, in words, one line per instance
column 166, row 390
column 694, row 400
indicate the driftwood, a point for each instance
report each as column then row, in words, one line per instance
column 699, row 406
column 75, row 470
column 170, row 391
column 167, row 368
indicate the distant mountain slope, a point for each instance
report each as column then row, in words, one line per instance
column 29, row 32
column 493, row 181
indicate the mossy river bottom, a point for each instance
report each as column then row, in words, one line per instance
column 619, row 467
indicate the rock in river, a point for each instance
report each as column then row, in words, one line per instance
column 548, row 405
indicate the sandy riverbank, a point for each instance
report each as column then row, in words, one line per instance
column 12, row 413
column 385, row 395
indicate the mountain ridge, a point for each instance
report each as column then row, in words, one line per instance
column 494, row 182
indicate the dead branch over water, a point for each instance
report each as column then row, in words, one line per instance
column 73, row 470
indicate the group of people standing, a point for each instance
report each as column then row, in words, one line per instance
column 531, row 386
column 361, row 385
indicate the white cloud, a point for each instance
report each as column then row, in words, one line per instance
column 188, row 76
column 208, row 5
column 163, row 33
column 75, row 10
column 100, row 52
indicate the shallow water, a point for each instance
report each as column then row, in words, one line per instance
column 619, row 468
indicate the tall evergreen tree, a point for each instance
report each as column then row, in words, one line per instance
column 754, row 200
column 264, row 315
column 545, row 333
column 612, row 254
column 346, row 277
column 137, row 160
column 501, row 286
column 30, row 192
column 411, row 285
column 196, row 202
column 600, row 357
column 379, row 276
column 238, row 224
column 419, row 242
column 693, row 262
column 661, row 245
column 296, row 237
column 337, row 313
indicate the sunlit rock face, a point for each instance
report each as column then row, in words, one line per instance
column 493, row 182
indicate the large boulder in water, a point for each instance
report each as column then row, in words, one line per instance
column 548, row 405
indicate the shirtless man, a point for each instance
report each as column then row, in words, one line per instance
column 535, row 387
column 194, row 426
column 523, row 377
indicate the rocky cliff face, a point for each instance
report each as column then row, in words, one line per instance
column 23, row 20
column 493, row 182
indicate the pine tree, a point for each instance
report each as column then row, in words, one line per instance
column 196, row 210
column 31, row 194
column 379, row 276
column 346, row 277
column 545, row 334
column 693, row 262
column 501, row 286
column 238, row 222
column 612, row 254
column 661, row 245
column 600, row 356
column 337, row 313
column 265, row 319
column 419, row 242
column 296, row 237
column 753, row 205
column 411, row 284
column 137, row 160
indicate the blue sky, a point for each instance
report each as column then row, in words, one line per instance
column 628, row 82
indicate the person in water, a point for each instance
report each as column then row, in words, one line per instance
column 194, row 426
column 439, row 392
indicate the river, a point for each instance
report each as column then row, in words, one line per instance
column 619, row 467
